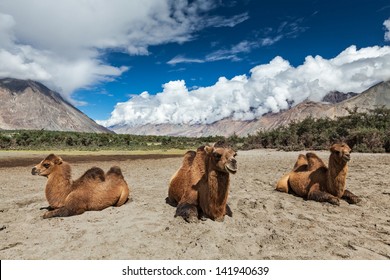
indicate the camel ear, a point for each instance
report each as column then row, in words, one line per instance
column 58, row 161
column 208, row 149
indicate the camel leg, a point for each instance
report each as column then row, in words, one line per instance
column 350, row 197
column 63, row 212
column 188, row 211
column 73, row 206
column 229, row 211
column 316, row 194
column 47, row 208
column 170, row 201
column 202, row 215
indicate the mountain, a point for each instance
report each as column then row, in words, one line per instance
column 334, row 105
column 337, row 96
column 27, row 104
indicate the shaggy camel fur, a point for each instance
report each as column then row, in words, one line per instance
column 201, row 185
column 311, row 179
column 92, row 191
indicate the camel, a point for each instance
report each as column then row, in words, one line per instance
column 93, row 191
column 311, row 179
column 200, row 187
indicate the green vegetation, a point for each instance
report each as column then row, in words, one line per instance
column 364, row 132
column 57, row 140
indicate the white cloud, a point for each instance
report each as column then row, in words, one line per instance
column 61, row 42
column 222, row 54
column 270, row 87
column 386, row 23
column 182, row 59
column 233, row 52
column 269, row 41
column 286, row 29
column 231, row 22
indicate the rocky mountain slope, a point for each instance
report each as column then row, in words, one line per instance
column 337, row 96
column 26, row 104
column 377, row 95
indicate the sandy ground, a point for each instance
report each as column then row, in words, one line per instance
column 266, row 224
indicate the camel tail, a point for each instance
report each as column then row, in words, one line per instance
column 282, row 184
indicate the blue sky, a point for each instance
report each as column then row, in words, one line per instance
column 219, row 39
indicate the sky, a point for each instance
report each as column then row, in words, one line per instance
column 130, row 62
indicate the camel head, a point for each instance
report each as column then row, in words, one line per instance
column 341, row 152
column 222, row 157
column 46, row 166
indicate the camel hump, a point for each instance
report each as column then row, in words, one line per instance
column 189, row 157
column 302, row 160
column 115, row 170
column 190, row 154
column 95, row 173
column 314, row 161
column 311, row 156
column 201, row 148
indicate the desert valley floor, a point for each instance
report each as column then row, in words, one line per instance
column 266, row 224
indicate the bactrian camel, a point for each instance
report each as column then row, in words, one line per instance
column 311, row 179
column 95, row 190
column 200, row 187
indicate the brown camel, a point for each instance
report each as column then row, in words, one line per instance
column 201, row 185
column 311, row 179
column 92, row 191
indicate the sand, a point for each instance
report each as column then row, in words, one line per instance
column 266, row 224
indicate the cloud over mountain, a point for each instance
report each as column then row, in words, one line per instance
column 62, row 43
column 269, row 87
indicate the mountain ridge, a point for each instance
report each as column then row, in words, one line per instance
column 30, row 105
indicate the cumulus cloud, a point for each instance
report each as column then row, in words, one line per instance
column 269, row 88
column 64, row 75
column 61, row 42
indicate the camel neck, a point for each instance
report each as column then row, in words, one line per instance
column 218, row 183
column 59, row 185
column 220, row 180
column 61, row 174
column 337, row 174
column 213, row 193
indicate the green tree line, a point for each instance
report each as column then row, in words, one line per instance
column 52, row 140
column 363, row 131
